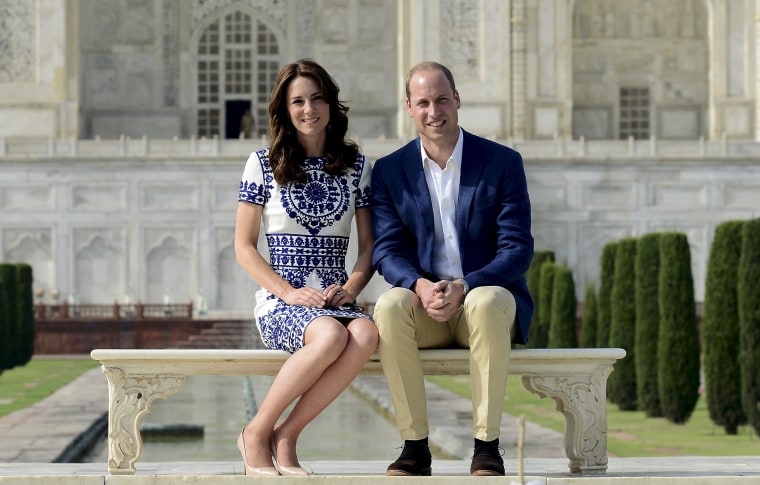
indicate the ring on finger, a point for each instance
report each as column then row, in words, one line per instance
column 339, row 292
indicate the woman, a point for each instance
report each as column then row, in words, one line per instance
column 305, row 190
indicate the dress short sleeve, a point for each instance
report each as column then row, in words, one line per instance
column 363, row 190
column 256, row 183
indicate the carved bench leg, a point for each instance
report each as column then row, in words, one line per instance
column 129, row 399
column 583, row 401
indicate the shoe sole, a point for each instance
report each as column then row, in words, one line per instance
column 486, row 473
column 425, row 472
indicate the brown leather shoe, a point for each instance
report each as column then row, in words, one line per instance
column 487, row 460
column 415, row 460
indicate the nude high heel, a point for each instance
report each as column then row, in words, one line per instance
column 251, row 470
column 286, row 471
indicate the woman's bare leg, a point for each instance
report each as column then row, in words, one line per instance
column 325, row 342
column 362, row 342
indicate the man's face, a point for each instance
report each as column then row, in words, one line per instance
column 433, row 105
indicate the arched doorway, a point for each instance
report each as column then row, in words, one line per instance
column 237, row 62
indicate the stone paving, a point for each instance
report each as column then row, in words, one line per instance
column 32, row 438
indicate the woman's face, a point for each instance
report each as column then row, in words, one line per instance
column 308, row 109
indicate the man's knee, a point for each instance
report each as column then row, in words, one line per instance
column 392, row 303
column 491, row 300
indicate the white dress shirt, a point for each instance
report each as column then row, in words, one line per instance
column 443, row 185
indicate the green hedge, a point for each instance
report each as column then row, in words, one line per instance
column 10, row 315
column 603, row 303
column 622, row 382
column 588, row 327
column 647, row 268
column 5, row 346
column 749, row 321
column 545, row 293
column 678, row 345
column 720, row 329
column 563, row 332
column 538, row 336
column 24, row 280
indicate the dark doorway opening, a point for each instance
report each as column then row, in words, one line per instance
column 234, row 111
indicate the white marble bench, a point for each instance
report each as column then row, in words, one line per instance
column 576, row 379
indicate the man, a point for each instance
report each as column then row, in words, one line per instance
column 451, row 218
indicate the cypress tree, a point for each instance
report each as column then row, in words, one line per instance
column 678, row 345
column 563, row 321
column 25, row 312
column 647, row 269
column 603, row 303
column 8, row 278
column 538, row 337
column 545, row 293
column 622, row 382
column 4, row 332
column 749, row 321
column 588, row 328
column 720, row 329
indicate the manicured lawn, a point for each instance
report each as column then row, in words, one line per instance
column 630, row 433
column 23, row 386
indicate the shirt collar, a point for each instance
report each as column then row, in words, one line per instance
column 456, row 155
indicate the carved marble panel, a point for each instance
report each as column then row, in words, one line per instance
column 679, row 122
column 171, row 197
column 169, row 265
column 99, row 255
column 17, row 40
column 547, row 196
column 545, row 122
column 609, row 196
column 670, row 196
column 98, row 197
column 31, row 245
column 740, row 196
column 224, row 196
column 593, row 122
column 737, row 120
column 461, row 26
column 27, row 198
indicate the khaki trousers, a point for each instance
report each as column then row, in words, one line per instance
column 484, row 324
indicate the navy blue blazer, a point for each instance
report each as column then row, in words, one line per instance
column 493, row 221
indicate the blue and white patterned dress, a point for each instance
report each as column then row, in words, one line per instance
column 307, row 226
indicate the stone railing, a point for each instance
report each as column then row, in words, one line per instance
column 144, row 147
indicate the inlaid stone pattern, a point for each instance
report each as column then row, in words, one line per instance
column 17, row 40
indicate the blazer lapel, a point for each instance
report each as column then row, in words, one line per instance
column 472, row 167
column 416, row 176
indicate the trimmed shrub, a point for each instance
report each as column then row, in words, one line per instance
column 720, row 329
column 588, row 326
column 749, row 321
column 545, row 293
column 25, row 312
column 563, row 332
column 603, row 303
column 4, row 332
column 622, row 382
column 10, row 315
column 678, row 345
column 538, row 337
column 647, row 269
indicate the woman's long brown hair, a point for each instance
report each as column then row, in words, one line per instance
column 286, row 155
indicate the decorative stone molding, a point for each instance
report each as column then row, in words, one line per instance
column 130, row 397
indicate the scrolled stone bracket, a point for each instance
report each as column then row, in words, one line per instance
column 582, row 399
column 130, row 397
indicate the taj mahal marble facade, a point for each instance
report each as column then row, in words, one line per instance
column 119, row 122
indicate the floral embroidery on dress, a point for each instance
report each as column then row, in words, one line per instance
column 318, row 203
